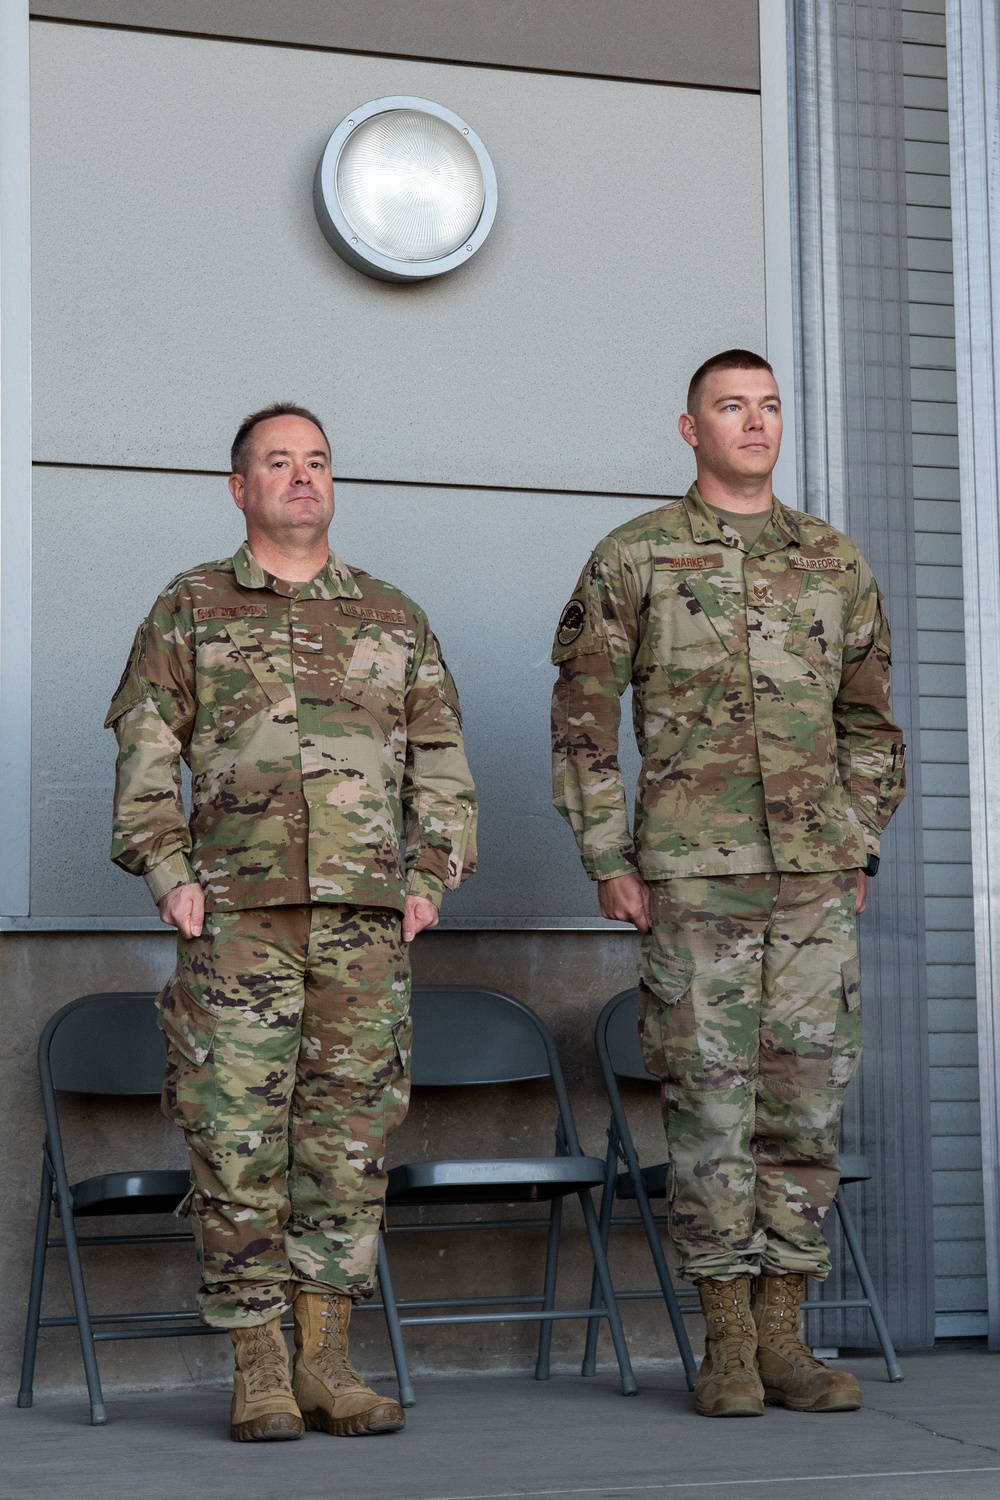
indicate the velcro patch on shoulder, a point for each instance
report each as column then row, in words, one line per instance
column 365, row 612
column 230, row 612
column 816, row 564
column 686, row 562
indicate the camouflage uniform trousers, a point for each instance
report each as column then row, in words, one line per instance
column 751, row 1017
column 288, row 1038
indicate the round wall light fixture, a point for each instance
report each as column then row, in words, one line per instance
column 405, row 189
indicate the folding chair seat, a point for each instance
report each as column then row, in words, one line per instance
column 465, row 1035
column 619, row 1052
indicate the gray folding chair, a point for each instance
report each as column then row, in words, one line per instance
column 466, row 1035
column 619, row 1052
column 106, row 1044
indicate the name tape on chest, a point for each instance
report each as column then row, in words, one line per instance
column 689, row 561
column 231, row 612
column 365, row 612
column 817, row 564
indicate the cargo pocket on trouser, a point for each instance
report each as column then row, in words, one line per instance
column 396, row 1097
column 847, row 1037
column 189, row 1085
column 664, row 978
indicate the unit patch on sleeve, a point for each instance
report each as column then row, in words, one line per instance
column 689, row 560
column 817, row 564
column 571, row 623
column 382, row 616
column 230, row 612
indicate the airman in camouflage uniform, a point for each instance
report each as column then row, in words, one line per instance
column 331, row 807
column 759, row 666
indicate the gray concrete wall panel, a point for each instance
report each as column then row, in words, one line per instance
column 105, row 543
column 710, row 43
column 181, row 277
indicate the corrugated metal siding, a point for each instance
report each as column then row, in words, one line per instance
column 959, row 1235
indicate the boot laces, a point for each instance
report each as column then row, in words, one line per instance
column 265, row 1368
column 331, row 1355
column 731, row 1332
column 781, row 1330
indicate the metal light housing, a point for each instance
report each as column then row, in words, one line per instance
column 405, row 189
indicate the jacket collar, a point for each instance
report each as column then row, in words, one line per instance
column 336, row 581
column 782, row 530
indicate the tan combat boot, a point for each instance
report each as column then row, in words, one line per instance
column 728, row 1384
column 792, row 1376
column 331, row 1395
column 264, row 1408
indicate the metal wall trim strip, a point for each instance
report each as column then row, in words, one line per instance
column 15, row 462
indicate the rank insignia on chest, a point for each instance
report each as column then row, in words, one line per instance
column 689, row 561
column 816, row 564
column 230, row 612
column 365, row 612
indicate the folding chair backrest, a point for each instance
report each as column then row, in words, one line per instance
column 619, row 1023
column 464, row 1034
column 104, row 1044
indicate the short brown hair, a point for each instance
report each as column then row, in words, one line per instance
column 729, row 359
column 240, row 451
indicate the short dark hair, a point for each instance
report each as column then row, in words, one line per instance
column 729, row 359
column 240, row 451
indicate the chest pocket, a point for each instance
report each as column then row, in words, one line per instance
column 235, row 678
column 375, row 680
column 816, row 628
column 697, row 621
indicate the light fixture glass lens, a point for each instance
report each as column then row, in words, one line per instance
column 410, row 185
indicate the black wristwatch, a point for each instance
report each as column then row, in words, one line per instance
column 871, row 868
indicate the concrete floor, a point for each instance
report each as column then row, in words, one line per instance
column 935, row 1436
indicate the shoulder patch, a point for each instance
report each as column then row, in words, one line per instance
column 230, row 612
column 132, row 687
column 571, row 623
column 689, row 561
column 365, row 612
column 817, row 564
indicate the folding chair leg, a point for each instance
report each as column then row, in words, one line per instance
column 629, row 1386
column 26, row 1393
column 666, row 1282
column 98, row 1413
column 406, row 1396
column 868, row 1287
column 604, row 1224
column 549, row 1290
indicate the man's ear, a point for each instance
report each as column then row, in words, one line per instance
column 688, row 429
column 236, row 484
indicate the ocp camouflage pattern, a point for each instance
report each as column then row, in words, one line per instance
column 750, row 1014
column 323, row 733
column 760, row 684
column 288, row 1045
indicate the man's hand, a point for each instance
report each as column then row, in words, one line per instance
column 625, row 898
column 861, row 899
column 419, row 913
column 184, row 908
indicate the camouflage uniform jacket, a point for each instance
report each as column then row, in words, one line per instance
column 321, row 727
column 760, row 698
